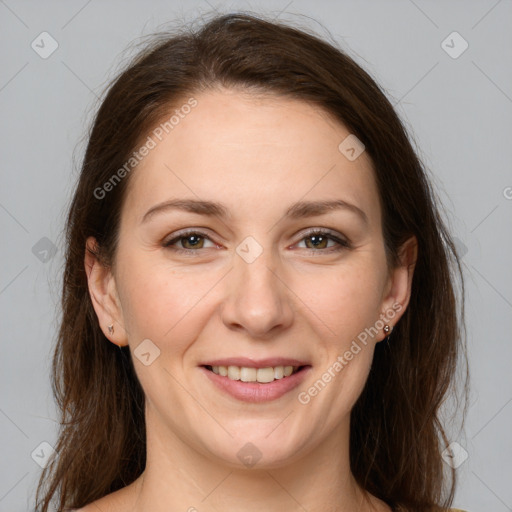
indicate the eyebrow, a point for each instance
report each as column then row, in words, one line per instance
column 299, row 210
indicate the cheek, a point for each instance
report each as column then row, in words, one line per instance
column 345, row 304
column 345, row 300
column 156, row 300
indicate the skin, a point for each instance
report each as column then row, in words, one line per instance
column 257, row 155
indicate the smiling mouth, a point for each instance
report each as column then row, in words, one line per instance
column 260, row 375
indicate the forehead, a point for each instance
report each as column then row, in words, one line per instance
column 254, row 153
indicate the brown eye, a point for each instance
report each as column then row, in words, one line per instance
column 187, row 242
column 318, row 241
column 194, row 241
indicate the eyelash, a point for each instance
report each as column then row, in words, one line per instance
column 342, row 244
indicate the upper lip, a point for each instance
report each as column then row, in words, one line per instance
column 255, row 363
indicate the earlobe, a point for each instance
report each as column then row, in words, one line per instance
column 103, row 293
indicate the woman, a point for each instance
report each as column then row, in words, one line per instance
column 255, row 233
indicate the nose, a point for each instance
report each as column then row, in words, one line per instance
column 257, row 300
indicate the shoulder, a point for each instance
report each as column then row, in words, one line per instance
column 96, row 506
column 118, row 501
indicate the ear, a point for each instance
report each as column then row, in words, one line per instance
column 398, row 289
column 104, row 297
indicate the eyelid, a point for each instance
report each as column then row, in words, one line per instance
column 323, row 231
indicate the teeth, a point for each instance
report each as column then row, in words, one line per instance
column 263, row 375
column 234, row 372
column 248, row 374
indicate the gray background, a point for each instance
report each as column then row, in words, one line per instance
column 458, row 109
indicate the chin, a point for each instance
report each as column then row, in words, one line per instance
column 256, row 449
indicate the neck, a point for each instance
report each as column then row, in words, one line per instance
column 178, row 477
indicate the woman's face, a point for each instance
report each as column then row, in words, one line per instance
column 249, row 270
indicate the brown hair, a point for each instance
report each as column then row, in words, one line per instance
column 396, row 434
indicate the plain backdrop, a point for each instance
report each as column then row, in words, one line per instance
column 453, row 91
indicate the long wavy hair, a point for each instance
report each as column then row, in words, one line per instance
column 397, row 435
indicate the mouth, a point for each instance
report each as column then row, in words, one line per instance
column 256, row 381
column 263, row 375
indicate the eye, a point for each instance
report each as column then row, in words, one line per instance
column 316, row 240
column 190, row 241
column 319, row 241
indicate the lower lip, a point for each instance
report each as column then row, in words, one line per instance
column 256, row 392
